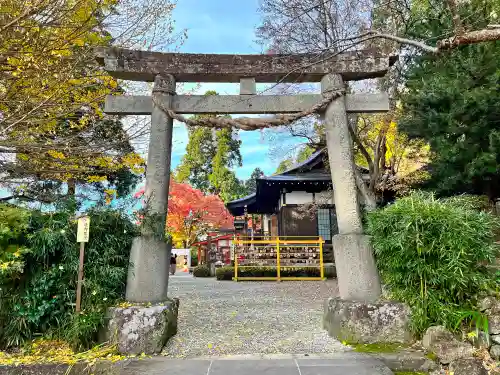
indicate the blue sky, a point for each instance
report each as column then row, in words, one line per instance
column 224, row 26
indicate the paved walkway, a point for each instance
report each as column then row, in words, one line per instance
column 253, row 328
column 339, row 364
column 219, row 318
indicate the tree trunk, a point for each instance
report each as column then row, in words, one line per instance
column 71, row 187
column 368, row 195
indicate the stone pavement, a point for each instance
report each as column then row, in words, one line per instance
column 248, row 328
column 220, row 318
column 348, row 363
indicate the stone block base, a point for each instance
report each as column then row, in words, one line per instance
column 441, row 342
column 367, row 323
column 356, row 270
column 142, row 329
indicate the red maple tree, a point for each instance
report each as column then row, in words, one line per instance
column 192, row 214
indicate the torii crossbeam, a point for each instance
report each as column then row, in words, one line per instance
column 137, row 65
column 148, row 273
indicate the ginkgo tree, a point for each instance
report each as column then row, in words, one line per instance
column 52, row 91
column 192, row 214
column 391, row 157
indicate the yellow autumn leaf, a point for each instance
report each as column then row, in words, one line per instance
column 56, row 154
column 79, row 42
column 472, row 334
column 92, row 179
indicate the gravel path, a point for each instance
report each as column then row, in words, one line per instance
column 219, row 318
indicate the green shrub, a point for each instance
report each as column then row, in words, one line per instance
column 201, row 271
column 227, row 273
column 13, row 224
column 224, row 273
column 472, row 202
column 330, row 272
column 194, row 257
column 432, row 254
column 42, row 301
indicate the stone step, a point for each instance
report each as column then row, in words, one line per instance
column 340, row 364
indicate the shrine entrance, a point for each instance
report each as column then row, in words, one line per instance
column 148, row 277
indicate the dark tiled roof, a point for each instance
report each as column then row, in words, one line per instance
column 267, row 195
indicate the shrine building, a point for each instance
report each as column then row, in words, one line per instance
column 297, row 202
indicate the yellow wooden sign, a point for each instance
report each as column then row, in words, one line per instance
column 82, row 234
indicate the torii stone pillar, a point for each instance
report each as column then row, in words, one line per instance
column 150, row 254
column 357, row 273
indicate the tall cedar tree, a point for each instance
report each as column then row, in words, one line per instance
column 210, row 156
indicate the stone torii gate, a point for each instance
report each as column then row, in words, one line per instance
column 148, row 274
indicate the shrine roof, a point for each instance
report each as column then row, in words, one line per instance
column 310, row 175
column 305, row 176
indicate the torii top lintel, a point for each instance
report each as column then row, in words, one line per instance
column 136, row 65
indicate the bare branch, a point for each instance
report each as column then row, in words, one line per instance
column 414, row 43
column 362, row 148
column 368, row 196
column 457, row 22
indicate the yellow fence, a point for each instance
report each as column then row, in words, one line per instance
column 279, row 258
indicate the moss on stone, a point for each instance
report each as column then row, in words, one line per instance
column 378, row 347
column 410, row 373
column 432, row 356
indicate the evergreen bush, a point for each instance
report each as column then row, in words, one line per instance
column 194, row 257
column 39, row 297
column 432, row 254
column 227, row 273
column 201, row 271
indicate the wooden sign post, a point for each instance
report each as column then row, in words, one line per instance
column 82, row 236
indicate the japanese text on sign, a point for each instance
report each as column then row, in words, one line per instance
column 83, row 229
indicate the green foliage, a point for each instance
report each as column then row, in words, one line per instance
column 13, row 224
column 433, row 255
column 227, row 273
column 201, row 271
column 224, row 273
column 432, row 356
column 251, row 183
column 41, row 302
column 451, row 102
column 81, row 330
column 378, row 348
column 470, row 202
column 284, row 165
column 476, row 319
column 210, row 156
column 194, row 257
column 303, row 154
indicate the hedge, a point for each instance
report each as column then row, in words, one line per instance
column 201, row 271
column 227, row 273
